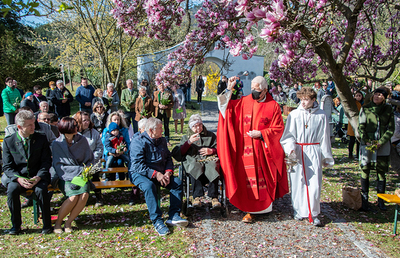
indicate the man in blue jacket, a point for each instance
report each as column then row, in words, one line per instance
column 84, row 95
column 151, row 166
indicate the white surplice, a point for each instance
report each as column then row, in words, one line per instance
column 307, row 126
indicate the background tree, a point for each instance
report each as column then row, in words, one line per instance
column 18, row 58
column 341, row 38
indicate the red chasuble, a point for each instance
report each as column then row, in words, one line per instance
column 254, row 169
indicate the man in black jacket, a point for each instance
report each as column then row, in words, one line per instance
column 26, row 163
column 61, row 98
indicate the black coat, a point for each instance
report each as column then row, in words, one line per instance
column 99, row 125
column 61, row 109
column 27, row 103
column 221, row 87
column 16, row 162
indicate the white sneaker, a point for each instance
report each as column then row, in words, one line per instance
column 317, row 222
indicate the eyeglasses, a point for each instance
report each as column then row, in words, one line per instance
column 100, row 107
column 46, row 119
column 324, row 84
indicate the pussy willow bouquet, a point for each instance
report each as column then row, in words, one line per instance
column 209, row 158
column 121, row 147
column 88, row 172
column 17, row 103
column 373, row 146
column 165, row 99
column 144, row 113
column 129, row 102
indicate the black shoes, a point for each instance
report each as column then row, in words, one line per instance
column 28, row 202
column 14, row 231
column 47, row 231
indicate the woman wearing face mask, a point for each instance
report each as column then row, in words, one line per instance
column 375, row 127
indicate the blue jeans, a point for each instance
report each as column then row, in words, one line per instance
column 130, row 118
column 111, row 159
column 188, row 94
column 10, row 118
column 149, row 188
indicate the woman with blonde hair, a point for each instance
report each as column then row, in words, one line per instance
column 99, row 116
column 98, row 97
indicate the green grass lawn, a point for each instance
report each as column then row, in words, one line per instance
column 120, row 230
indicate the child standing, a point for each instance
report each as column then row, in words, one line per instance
column 113, row 140
column 307, row 137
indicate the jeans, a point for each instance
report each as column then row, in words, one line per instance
column 14, row 190
column 163, row 117
column 149, row 188
column 188, row 94
column 130, row 118
column 111, row 159
column 199, row 96
column 10, row 118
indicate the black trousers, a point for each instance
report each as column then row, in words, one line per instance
column 163, row 117
column 14, row 190
column 197, row 186
column 199, row 96
column 351, row 146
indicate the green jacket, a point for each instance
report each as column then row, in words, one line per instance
column 371, row 116
column 128, row 97
column 10, row 97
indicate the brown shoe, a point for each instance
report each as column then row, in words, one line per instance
column 197, row 202
column 248, row 218
column 215, row 203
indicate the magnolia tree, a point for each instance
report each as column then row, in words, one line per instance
column 338, row 37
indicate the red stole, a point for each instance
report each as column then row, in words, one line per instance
column 254, row 174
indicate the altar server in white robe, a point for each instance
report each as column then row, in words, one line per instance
column 307, row 139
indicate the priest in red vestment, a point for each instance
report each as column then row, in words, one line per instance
column 251, row 156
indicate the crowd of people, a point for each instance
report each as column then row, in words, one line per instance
column 45, row 145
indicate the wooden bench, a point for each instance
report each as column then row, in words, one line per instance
column 114, row 170
column 392, row 198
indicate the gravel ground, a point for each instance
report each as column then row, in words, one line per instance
column 275, row 234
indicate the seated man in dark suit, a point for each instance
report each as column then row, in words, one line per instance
column 26, row 163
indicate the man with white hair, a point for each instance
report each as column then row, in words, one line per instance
column 252, row 158
column 26, row 163
column 151, row 166
column 61, row 97
column 128, row 100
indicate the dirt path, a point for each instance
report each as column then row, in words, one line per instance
column 275, row 234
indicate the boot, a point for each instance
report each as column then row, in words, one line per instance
column 99, row 199
column 364, row 194
column 381, row 189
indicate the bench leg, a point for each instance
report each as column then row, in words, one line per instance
column 395, row 219
column 35, row 212
column 159, row 197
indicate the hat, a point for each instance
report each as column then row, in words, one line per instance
column 28, row 94
column 194, row 119
column 382, row 91
column 113, row 126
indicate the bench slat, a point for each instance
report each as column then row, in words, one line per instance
column 115, row 170
column 392, row 198
column 113, row 184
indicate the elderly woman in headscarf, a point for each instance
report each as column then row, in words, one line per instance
column 198, row 153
